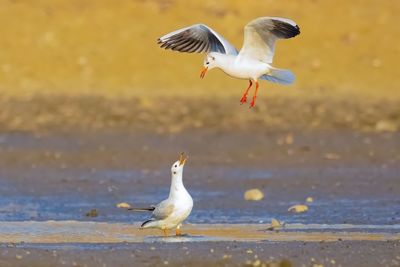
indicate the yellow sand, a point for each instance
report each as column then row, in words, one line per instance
column 100, row 232
column 109, row 47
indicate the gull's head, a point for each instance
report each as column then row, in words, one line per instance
column 209, row 63
column 177, row 167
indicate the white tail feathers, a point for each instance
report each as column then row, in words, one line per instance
column 279, row 76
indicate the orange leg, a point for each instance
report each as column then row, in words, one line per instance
column 253, row 102
column 178, row 232
column 244, row 97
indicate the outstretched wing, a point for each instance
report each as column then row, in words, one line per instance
column 163, row 210
column 261, row 34
column 197, row 38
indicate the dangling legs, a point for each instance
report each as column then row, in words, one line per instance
column 253, row 102
column 244, row 97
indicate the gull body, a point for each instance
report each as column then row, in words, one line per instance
column 252, row 62
column 236, row 67
column 171, row 212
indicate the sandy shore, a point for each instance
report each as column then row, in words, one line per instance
column 62, row 157
column 58, row 232
column 73, row 243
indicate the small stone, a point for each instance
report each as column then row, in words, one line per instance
column 309, row 200
column 253, row 195
column 123, row 205
column 249, row 251
column 256, row 263
column 298, row 208
column 275, row 224
column 18, row 257
column 92, row 213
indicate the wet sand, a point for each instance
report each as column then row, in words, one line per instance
column 58, row 232
column 61, row 158
column 272, row 254
column 73, row 243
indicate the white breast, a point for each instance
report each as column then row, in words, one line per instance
column 245, row 68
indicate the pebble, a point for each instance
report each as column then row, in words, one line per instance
column 253, row 195
column 92, row 213
column 298, row 208
column 275, row 224
column 309, row 200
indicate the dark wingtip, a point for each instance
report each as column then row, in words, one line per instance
column 298, row 30
column 146, row 222
column 285, row 30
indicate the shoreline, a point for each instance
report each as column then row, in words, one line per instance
column 58, row 232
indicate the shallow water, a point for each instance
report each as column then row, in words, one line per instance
column 72, row 204
column 62, row 177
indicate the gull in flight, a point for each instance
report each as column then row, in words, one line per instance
column 171, row 212
column 252, row 62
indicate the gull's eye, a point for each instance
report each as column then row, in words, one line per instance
column 176, row 166
column 207, row 63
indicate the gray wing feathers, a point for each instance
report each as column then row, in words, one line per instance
column 261, row 34
column 163, row 210
column 196, row 38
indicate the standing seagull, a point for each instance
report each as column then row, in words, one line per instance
column 252, row 62
column 171, row 212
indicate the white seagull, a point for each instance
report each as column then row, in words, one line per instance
column 252, row 62
column 171, row 212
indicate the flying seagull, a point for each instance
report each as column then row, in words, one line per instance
column 252, row 62
column 171, row 212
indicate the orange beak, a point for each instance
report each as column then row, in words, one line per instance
column 182, row 159
column 203, row 72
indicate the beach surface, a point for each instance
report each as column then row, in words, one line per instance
column 67, row 162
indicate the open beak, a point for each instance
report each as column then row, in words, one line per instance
column 203, row 72
column 182, row 159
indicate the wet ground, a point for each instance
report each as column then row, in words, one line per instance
column 351, row 172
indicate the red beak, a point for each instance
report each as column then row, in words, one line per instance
column 203, row 72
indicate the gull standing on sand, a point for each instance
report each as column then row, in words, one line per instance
column 171, row 212
column 252, row 62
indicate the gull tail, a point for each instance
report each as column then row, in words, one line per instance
column 142, row 209
column 279, row 76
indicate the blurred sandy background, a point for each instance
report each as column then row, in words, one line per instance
column 109, row 47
